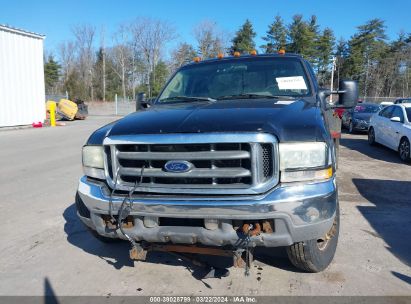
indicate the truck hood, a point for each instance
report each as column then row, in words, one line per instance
column 295, row 120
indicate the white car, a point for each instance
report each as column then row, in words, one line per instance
column 391, row 127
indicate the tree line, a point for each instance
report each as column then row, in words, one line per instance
column 136, row 59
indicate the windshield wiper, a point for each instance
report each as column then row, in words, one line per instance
column 250, row 96
column 187, row 98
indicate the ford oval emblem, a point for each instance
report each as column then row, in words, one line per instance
column 178, row 166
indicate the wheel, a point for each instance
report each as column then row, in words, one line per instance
column 371, row 136
column 316, row 255
column 404, row 150
column 84, row 212
column 351, row 128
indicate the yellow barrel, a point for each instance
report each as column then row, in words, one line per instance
column 51, row 108
column 67, row 109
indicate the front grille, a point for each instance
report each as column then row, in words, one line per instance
column 217, row 166
column 267, row 160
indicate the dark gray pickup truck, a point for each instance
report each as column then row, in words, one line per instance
column 234, row 153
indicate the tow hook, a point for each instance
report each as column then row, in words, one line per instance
column 251, row 229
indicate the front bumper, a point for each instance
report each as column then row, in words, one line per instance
column 361, row 125
column 300, row 211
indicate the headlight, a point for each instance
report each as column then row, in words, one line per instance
column 93, row 161
column 305, row 161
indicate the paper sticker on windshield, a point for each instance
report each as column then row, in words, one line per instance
column 291, row 83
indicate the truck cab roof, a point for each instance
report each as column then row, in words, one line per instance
column 247, row 56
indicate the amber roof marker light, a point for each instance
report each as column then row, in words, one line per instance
column 253, row 53
column 281, row 52
column 220, row 55
column 236, row 54
column 196, row 59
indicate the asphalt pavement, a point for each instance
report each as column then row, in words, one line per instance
column 45, row 250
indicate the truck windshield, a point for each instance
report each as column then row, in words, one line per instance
column 238, row 78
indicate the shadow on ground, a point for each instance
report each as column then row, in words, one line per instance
column 377, row 151
column 49, row 293
column 78, row 235
column 391, row 215
column 117, row 254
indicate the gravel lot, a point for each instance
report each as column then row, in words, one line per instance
column 45, row 249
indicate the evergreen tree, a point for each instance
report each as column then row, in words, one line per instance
column 51, row 74
column 276, row 36
column 113, row 82
column 341, row 53
column 302, row 37
column 325, row 46
column 161, row 74
column 243, row 41
column 341, row 48
column 312, row 52
column 365, row 49
column 74, row 86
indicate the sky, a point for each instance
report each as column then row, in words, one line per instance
column 55, row 18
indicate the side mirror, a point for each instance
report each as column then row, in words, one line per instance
column 395, row 119
column 347, row 93
column 142, row 102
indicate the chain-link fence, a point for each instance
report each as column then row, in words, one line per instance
column 120, row 107
column 56, row 97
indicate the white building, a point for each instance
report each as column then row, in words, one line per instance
column 22, row 93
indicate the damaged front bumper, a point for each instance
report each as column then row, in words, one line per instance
column 298, row 211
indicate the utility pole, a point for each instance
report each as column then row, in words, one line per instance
column 103, row 51
column 366, row 79
column 332, row 78
column 134, row 51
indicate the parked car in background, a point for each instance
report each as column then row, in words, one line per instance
column 386, row 103
column 391, row 127
column 403, row 100
column 358, row 118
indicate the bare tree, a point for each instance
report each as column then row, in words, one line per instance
column 121, row 54
column 150, row 37
column 103, row 53
column 67, row 53
column 84, row 35
column 210, row 40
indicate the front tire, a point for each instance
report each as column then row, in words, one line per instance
column 371, row 136
column 404, row 150
column 316, row 255
column 351, row 128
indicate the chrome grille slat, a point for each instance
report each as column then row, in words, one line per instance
column 148, row 187
column 194, row 173
column 209, row 155
column 223, row 163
